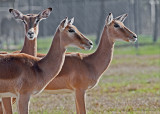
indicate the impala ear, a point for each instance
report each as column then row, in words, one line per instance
column 45, row 13
column 71, row 21
column 63, row 24
column 16, row 14
column 109, row 19
column 121, row 17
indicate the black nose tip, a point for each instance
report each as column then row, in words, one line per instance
column 90, row 43
column 134, row 36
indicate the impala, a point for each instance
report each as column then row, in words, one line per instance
column 82, row 72
column 23, row 75
column 31, row 27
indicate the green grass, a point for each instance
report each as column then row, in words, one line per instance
column 146, row 47
column 142, row 50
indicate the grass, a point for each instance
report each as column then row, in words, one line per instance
column 129, row 86
column 146, row 47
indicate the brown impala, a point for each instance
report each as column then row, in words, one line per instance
column 31, row 27
column 23, row 75
column 81, row 72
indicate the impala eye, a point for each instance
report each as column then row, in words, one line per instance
column 116, row 25
column 71, row 30
column 37, row 21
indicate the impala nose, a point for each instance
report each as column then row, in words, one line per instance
column 134, row 39
column 30, row 34
column 91, row 43
column 134, row 36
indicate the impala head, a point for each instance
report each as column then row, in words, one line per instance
column 31, row 21
column 72, row 36
column 117, row 30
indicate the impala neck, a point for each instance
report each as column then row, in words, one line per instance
column 52, row 63
column 30, row 47
column 102, row 57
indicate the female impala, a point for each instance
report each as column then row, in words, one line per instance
column 23, row 75
column 81, row 72
column 31, row 27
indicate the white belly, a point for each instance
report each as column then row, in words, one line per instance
column 7, row 94
column 59, row 91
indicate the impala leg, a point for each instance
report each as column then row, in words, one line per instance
column 80, row 101
column 7, row 106
column 1, row 108
column 77, row 110
column 23, row 103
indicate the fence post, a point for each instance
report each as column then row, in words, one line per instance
column 155, row 28
column 101, row 21
column 29, row 6
column 136, row 3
